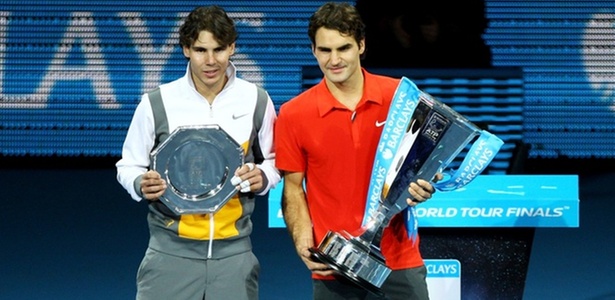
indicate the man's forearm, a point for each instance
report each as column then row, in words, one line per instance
column 297, row 217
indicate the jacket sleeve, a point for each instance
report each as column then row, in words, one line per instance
column 136, row 149
column 266, row 142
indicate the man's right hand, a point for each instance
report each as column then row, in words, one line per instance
column 313, row 265
column 152, row 185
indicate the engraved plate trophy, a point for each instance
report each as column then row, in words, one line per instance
column 197, row 162
column 421, row 138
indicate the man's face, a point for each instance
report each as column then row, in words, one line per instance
column 208, row 62
column 339, row 56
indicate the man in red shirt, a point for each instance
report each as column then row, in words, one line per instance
column 328, row 136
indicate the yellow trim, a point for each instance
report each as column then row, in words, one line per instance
column 197, row 226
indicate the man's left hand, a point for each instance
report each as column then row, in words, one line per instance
column 248, row 178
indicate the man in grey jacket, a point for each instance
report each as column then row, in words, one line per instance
column 202, row 256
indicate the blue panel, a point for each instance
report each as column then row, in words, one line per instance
column 491, row 201
column 74, row 66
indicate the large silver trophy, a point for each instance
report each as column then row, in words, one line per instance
column 197, row 162
column 421, row 138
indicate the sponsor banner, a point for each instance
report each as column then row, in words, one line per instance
column 490, row 201
column 506, row 201
column 443, row 279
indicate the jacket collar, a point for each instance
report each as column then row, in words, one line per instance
column 326, row 102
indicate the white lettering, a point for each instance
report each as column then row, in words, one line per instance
column 441, row 269
column 400, row 118
column 534, row 212
column 95, row 68
column 154, row 72
column 475, row 212
column 88, row 43
column 433, row 212
column 374, row 198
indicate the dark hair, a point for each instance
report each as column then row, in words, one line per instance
column 210, row 18
column 342, row 17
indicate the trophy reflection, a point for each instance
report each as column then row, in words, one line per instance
column 197, row 162
column 435, row 135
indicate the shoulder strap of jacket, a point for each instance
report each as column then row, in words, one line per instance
column 161, row 129
column 259, row 114
column 261, row 105
column 161, row 125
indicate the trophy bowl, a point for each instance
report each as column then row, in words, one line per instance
column 353, row 259
column 197, row 162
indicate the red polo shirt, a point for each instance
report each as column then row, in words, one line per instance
column 335, row 148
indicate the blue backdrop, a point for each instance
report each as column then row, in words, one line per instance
column 71, row 72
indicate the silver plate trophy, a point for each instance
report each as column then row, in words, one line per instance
column 426, row 144
column 197, row 162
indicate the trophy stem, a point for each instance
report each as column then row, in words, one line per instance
column 370, row 235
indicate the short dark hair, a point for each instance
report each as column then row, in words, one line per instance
column 210, row 18
column 342, row 17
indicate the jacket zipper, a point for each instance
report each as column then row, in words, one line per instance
column 211, row 236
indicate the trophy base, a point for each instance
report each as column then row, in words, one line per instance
column 353, row 260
